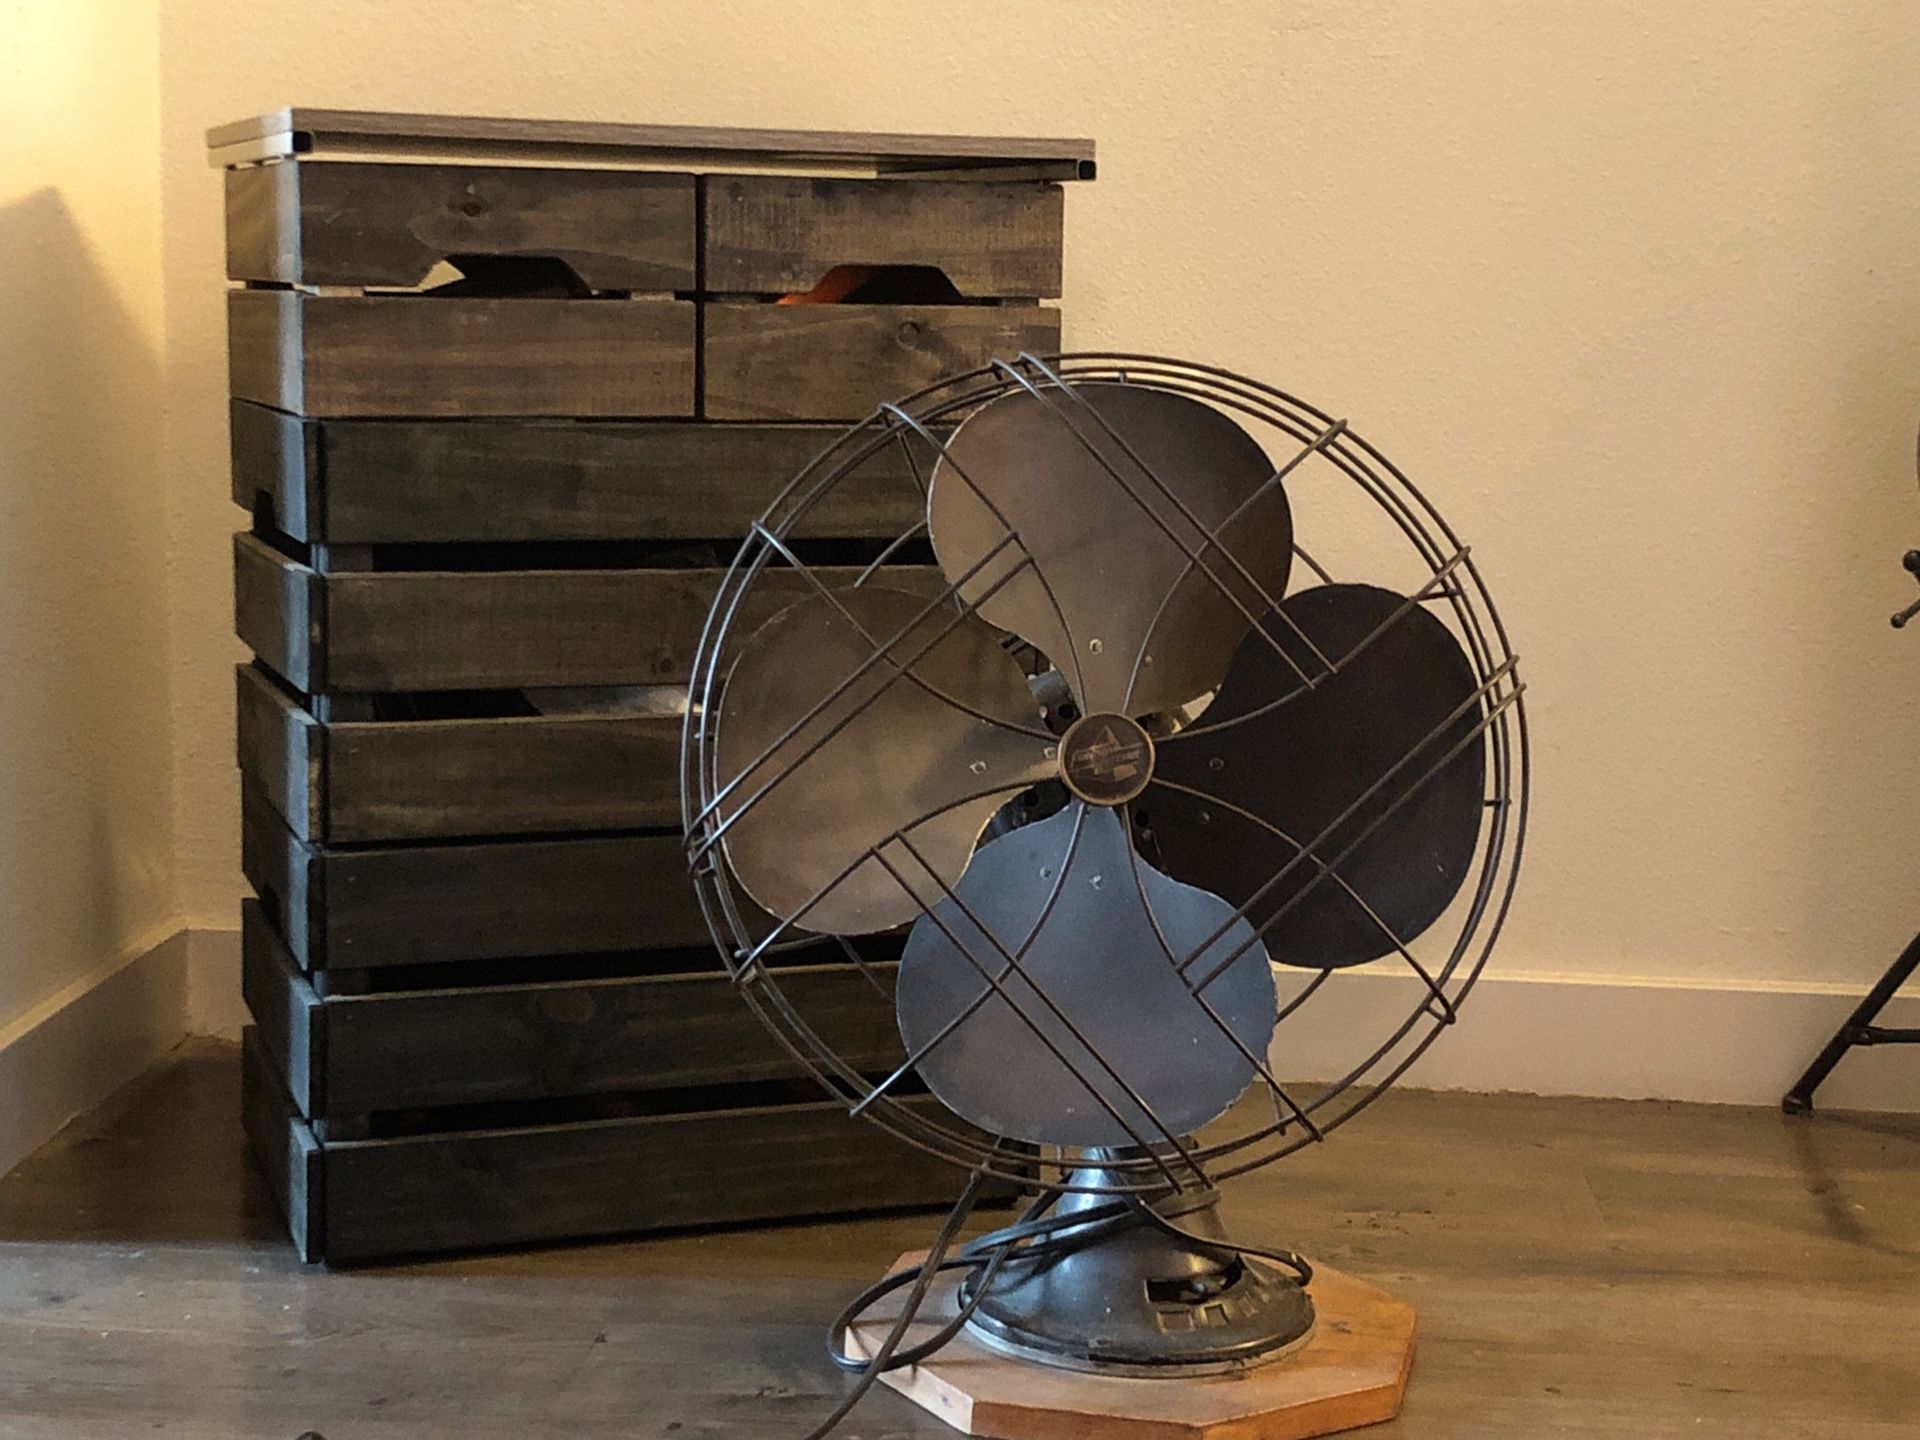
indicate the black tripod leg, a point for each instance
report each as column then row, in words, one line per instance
column 1799, row 1099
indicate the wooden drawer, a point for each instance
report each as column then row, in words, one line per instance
column 389, row 224
column 398, row 631
column 416, row 481
column 779, row 234
column 387, row 780
column 424, row 355
column 357, row 1201
column 413, row 904
column 352, row 1055
column 838, row 362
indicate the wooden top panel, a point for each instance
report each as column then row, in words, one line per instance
column 298, row 131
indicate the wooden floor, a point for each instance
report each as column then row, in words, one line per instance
column 1582, row 1269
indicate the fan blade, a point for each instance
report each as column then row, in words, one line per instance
column 875, row 749
column 1294, row 769
column 1096, row 1026
column 1121, row 567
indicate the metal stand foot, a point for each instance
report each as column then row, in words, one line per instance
column 1859, row 1029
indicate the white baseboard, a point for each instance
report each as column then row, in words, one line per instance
column 214, row 1006
column 1617, row 1037
column 1626, row 1038
column 75, row 1048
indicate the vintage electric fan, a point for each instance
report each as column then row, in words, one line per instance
column 1133, row 751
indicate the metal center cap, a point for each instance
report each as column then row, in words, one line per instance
column 1106, row 759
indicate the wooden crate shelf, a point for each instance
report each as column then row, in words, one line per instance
column 504, row 398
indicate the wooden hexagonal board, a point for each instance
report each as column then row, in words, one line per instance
column 1351, row 1371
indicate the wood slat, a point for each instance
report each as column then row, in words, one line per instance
column 276, row 610
column 505, row 899
column 287, row 1014
column 373, row 781
column 837, row 362
column 280, row 752
column 425, row 481
column 460, row 356
column 461, row 1045
column 351, row 224
column 391, row 631
column 393, row 1197
column 780, row 234
column 283, row 1148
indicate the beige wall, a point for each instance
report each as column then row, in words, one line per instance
column 1631, row 288
column 86, row 869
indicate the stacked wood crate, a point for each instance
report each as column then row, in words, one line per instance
column 505, row 396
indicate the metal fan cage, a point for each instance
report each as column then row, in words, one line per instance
column 1455, row 951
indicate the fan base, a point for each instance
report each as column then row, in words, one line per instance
column 1350, row 1370
column 1143, row 1301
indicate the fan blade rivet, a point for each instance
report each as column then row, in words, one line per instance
column 979, row 767
column 1095, row 645
column 1204, row 817
column 1053, row 752
column 1216, row 763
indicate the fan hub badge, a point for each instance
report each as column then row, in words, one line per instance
column 1106, row 759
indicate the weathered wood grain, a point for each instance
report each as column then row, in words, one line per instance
column 370, row 781
column 423, row 481
column 287, row 1014
column 460, row 356
column 397, row 631
column 276, row 610
column 462, row 1045
column 275, row 469
column 283, row 1148
column 461, row 1190
column 388, row 224
column 374, row 906
column 837, row 362
column 280, row 750
column 778, row 234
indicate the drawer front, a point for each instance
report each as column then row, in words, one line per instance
column 838, row 362
column 396, row 631
column 386, row 224
column 375, row 906
column 465, row 356
column 778, row 234
column 498, row 1043
column 422, row 481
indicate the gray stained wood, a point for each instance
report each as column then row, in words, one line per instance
column 838, row 362
column 429, row 355
column 466, row 1044
column 379, row 905
column 391, row 631
column 400, row 481
column 389, row 225
column 778, row 234
column 1592, row 1270
column 376, row 1198
column 310, row 131
column 377, row 780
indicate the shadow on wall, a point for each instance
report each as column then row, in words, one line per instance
column 85, row 743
